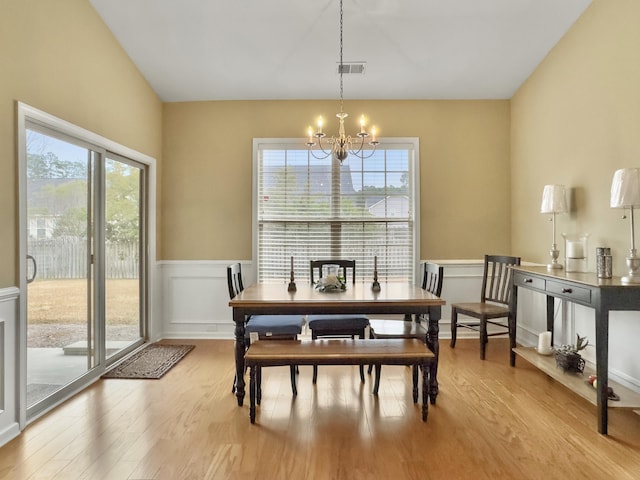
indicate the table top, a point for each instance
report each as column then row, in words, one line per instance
column 390, row 294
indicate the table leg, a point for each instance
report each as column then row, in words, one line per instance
column 252, row 393
column 602, row 368
column 433, row 343
column 238, row 318
column 512, row 322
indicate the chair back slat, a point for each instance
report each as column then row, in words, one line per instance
column 234, row 279
column 345, row 267
column 432, row 278
column 496, row 280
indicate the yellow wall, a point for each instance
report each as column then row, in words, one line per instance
column 575, row 121
column 464, row 153
column 59, row 57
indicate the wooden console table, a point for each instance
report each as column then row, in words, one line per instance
column 603, row 295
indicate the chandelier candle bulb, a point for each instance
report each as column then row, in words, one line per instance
column 544, row 343
column 362, row 130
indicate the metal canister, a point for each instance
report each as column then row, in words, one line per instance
column 604, row 262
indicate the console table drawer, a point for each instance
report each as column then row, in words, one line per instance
column 570, row 292
column 524, row 280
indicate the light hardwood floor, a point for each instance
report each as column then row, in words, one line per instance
column 491, row 421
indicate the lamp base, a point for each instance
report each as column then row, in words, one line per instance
column 633, row 263
column 554, row 252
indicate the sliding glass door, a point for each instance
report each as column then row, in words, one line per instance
column 85, row 262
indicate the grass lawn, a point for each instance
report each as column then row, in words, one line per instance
column 64, row 301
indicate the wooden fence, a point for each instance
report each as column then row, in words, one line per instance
column 67, row 258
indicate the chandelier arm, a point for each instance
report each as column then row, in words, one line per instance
column 319, row 157
column 325, row 153
column 364, row 157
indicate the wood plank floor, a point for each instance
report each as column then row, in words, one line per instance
column 491, row 421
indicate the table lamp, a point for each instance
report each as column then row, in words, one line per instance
column 554, row 201
column 625, row 193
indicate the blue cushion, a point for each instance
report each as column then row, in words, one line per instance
column 354, row 321
column 275, row 324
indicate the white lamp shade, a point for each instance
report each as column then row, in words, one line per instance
column 625, row 188
column 554, row 199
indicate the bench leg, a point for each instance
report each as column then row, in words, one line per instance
column 252, row 393
column 425, row 388
column 362, row 373
column 415, row 382
column 315, row 374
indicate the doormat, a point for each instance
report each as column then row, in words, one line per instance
column 152, row 362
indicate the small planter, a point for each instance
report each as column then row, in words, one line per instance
column 570, row 361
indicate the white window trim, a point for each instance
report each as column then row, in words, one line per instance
column 386, row 143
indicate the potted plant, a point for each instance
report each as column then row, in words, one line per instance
column 568, row 358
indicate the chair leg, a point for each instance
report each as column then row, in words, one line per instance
column 376, row 382
column 415, row 383
column 483, row 338
column 454, row 326
column 362, row 373
column 315, row 374
column 294, row 390
column 252, row 393
column 258, row 386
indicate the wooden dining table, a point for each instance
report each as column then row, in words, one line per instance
column 392, row 298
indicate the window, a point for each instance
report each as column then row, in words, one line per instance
column 315, row 209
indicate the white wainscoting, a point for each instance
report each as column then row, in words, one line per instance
column 195, row 296
column 9, row 426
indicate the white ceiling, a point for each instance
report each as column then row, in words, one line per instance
column 289, row 49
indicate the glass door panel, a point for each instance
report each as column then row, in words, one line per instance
column 60, row 332
column 124, row 255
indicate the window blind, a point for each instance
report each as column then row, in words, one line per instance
column 309, row 209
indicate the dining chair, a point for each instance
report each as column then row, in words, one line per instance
column 268, row 327
column 336, row 325
column 409, row 327
column 494, row 304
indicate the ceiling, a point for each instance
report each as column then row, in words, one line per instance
column 191, row 50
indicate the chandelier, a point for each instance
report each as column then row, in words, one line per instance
column 343, row 144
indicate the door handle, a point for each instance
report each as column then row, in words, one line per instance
column 35, row 268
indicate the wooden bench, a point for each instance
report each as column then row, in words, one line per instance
column 409, row 351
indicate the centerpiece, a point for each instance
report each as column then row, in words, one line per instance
column 332, row 281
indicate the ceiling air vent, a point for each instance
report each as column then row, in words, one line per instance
column 353, row 67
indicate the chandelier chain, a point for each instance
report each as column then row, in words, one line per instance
column 341, row 67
